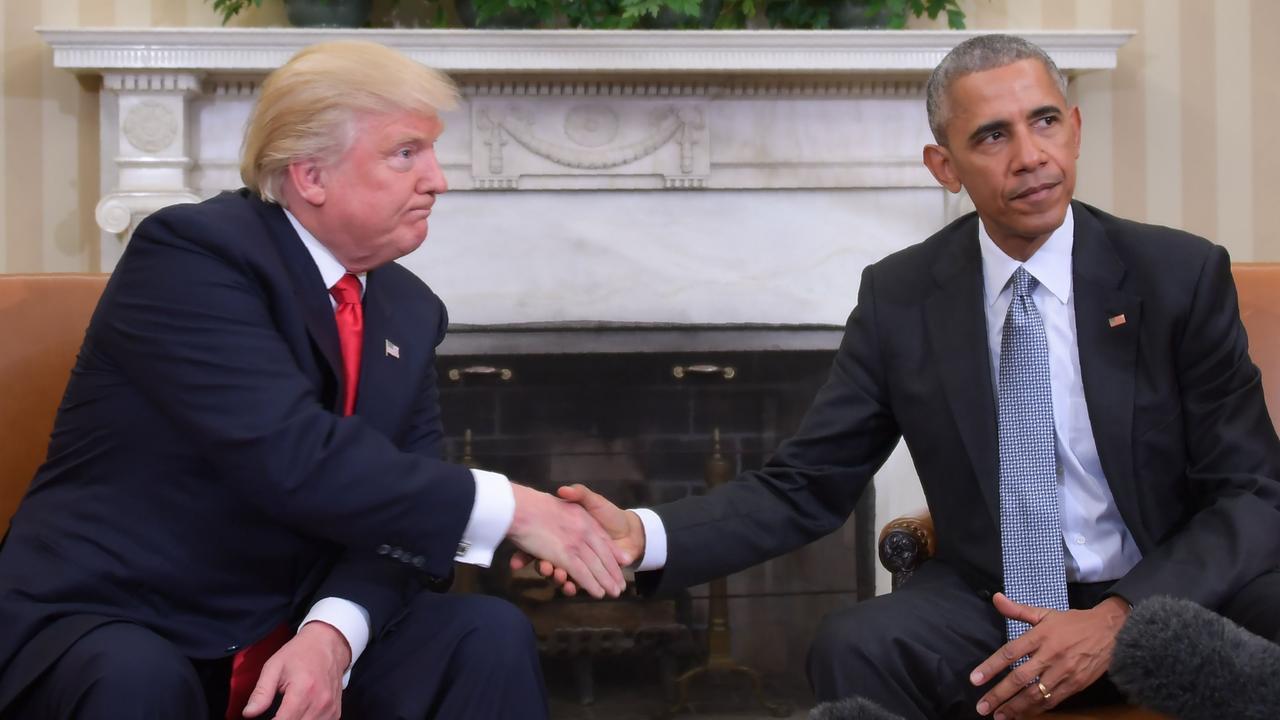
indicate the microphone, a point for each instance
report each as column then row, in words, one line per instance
column 1181, row 659
column 851, row 708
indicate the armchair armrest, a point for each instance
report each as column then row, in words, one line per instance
column 904, row 543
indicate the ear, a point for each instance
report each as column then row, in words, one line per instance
column 308, row 178
column 938, row 160
column 1074, row 118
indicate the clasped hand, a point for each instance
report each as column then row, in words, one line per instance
column 1066, row 652
column 623, row 529
column 576, row 546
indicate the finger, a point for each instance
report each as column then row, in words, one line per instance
column 1029, row 702
column 265, row 691
column 545, row 568
column 520, row 559
column 584, row 496
column 1010, row 686
column 604, row 548
column 1006, row 656
column 598, row 566
column 604, row 553
column 560, row 576
column 295, row 706
column 1028, row 614
column 586, row 580
column 569, row 589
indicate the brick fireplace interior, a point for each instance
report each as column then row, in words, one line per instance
column 634, row 413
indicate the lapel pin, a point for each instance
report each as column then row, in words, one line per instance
column 393, row 350
column 1113, row 321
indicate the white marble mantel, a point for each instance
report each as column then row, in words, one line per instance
column 575, row 51
column 631, row 176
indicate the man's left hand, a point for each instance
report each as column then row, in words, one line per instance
column 308, row 671
column 1067, row 651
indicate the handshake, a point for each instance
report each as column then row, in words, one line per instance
column 579, row 539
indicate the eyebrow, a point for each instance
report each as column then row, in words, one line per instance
column 987, row 128
column 997, row 125
column 1043, row 111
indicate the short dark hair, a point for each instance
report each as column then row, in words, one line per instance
column 984, row 52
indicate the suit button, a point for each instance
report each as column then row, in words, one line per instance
column 384, row 549
column 397, row 553
column 985, row 594
column 419, row 561
column 232, row 648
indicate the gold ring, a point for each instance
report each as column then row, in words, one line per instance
column 1044, row 691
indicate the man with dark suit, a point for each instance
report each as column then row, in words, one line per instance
column 250, row 443
column 1077, row 396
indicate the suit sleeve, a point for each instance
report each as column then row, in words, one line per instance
column 188, row 323
column 809, row 487
column 381, row 586
column 1232, row 456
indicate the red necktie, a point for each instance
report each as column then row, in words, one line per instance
column 350, row 317
column 248, row 663
column 247, row 666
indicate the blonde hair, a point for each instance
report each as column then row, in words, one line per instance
column 308, row 107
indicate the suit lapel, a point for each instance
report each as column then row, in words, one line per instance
column 308, row 289
column 958, row 331
column 383, row 375
column 1108, row 354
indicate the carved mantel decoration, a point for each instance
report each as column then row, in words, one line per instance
column 547, row 110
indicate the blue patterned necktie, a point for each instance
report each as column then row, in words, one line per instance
column 1030, row 526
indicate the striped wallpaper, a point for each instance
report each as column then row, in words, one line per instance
column 1175, row 135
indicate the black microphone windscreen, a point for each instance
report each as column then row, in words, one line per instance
column 1181, row 659
column 853, row 708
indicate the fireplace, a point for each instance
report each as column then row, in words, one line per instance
column 640, row 414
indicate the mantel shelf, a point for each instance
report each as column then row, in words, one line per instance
column 733, row 52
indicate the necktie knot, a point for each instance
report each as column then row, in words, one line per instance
column 347, row 290
column 1024, row 283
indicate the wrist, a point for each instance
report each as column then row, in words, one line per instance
column 1116, row 609
column 331, row 638
column 635, row 532
column 519, row 517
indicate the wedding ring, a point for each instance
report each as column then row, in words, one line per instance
column 1044, row 691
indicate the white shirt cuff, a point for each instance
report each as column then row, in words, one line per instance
column 491, row 515
column 349, row 619
column 655, row 541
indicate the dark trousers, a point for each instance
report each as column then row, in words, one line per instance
column 448, row 656
column 913, row 649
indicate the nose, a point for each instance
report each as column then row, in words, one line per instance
column 1028, row 154
column 431, row 177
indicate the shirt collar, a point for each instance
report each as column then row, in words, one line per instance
column 1050, row 265
column 331, row 271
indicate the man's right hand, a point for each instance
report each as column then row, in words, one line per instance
column 565, row 535
column 623, row 526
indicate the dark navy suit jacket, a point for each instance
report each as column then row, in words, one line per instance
column 200, row 481
column 1175, row 403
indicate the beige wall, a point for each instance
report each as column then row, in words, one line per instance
column 1175, row 135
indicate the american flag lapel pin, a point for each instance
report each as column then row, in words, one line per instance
column 393, row 350
column 1116, row 320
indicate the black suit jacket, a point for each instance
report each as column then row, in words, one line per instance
column 200, row 480
column 1175, row 403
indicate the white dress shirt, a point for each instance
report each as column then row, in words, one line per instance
column 1099, row 546
column 491, row 513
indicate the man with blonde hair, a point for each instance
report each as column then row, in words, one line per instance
column 244, row 502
